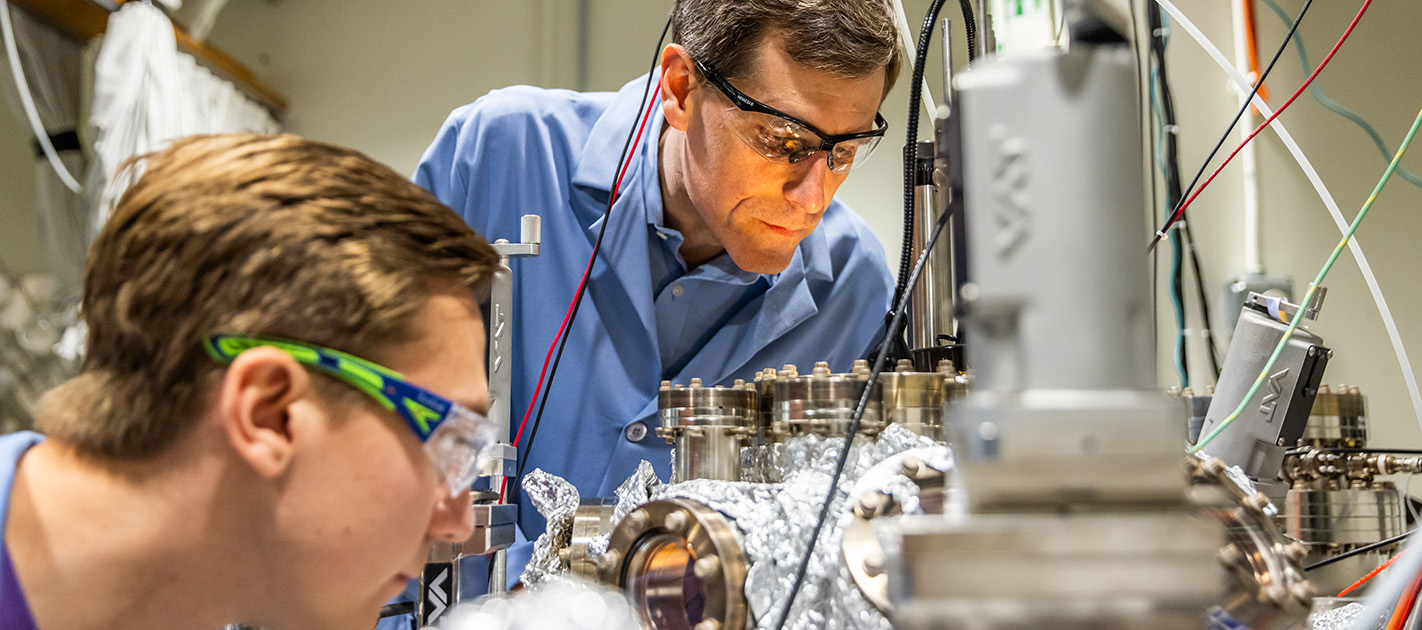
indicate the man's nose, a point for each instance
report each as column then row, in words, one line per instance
column 807, row 187
column 453, row 518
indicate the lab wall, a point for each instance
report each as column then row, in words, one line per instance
column 20, row 245
column 1374, row 74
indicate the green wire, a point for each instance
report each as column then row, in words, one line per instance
column 1312, row 288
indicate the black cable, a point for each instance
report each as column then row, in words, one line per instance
column 597, row 248
column 925, row 36
column 1359, row 551
column 1177, row 290
column 396, row 609
column 1366, row 451
column 1206, row 328
column 970, row 28
column 1173, row 193
column 870, row 387
column 1248, row 102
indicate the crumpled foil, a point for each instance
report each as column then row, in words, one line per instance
column 558, row 603
column 557, row 500
column 1341, row 618
column 774, row 522
column 635, row 491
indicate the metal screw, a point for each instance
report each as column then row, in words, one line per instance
column 608, row 563
column 707, row 568
column 637, row 520
column 676, row 521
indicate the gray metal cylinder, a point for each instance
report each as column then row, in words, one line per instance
column 708, row 426
column 915, row 399
column 1059, row 298
column 931, row 307
column 1338, row 418
column 1352, row 516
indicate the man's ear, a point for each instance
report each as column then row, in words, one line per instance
column 678, row 79
column 255, row 404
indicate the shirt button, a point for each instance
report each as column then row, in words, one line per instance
column 636, row 431
column 677, row 290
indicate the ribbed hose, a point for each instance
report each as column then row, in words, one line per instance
column 925, row 36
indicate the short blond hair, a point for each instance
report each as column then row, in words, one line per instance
column 273, row 235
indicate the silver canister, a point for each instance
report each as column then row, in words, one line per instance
column 1338, row 418
column 823, row 403
column 708, row 426
column 916, row 399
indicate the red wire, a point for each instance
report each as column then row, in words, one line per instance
column 1364, row 580
column 616, row 186
column 1176, row 216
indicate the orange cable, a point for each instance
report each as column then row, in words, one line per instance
column 1364, row 580
column 1250, row 33
column 1404, row 605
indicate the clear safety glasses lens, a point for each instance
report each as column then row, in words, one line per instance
column 783, row 141
column 460, row 447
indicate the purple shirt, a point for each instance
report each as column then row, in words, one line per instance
column 14, row 610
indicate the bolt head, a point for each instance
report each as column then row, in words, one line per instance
column 707, row 568
column 676, row 522
column 608, row 563
column 638, row 519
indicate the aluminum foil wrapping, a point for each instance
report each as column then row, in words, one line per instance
column 635, row 491
column 774, row 521
column 557, row 501
column 558, row 603
column 1341, row 618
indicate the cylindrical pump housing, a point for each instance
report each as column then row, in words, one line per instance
column 1059, row 295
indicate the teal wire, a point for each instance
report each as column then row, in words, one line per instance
column 1338, row 108
column 1175, row 304
column 1313, row 287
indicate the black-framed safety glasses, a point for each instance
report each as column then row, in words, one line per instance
column 785, row 139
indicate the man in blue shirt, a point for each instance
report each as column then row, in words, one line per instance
column 219, row 458
column 725, row 251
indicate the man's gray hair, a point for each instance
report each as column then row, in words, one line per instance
column 847, row 38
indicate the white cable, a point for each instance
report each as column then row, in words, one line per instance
column 1353, row 246
column 1248, row 160
column 906, row 35
column 1390, row 584
column 12, row 51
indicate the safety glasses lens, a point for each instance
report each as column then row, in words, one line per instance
column 460, row 447
column 851, row 153
column 775, row 138
column 785, row 142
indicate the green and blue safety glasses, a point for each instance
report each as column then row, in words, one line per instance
column 457, row 439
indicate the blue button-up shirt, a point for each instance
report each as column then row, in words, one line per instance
column 646, row 317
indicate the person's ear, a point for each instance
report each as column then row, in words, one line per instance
column 259, row 394
column 679, row 78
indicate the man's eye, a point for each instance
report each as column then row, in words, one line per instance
column 783, row 136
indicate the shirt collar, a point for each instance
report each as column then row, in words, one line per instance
column 596, row 166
